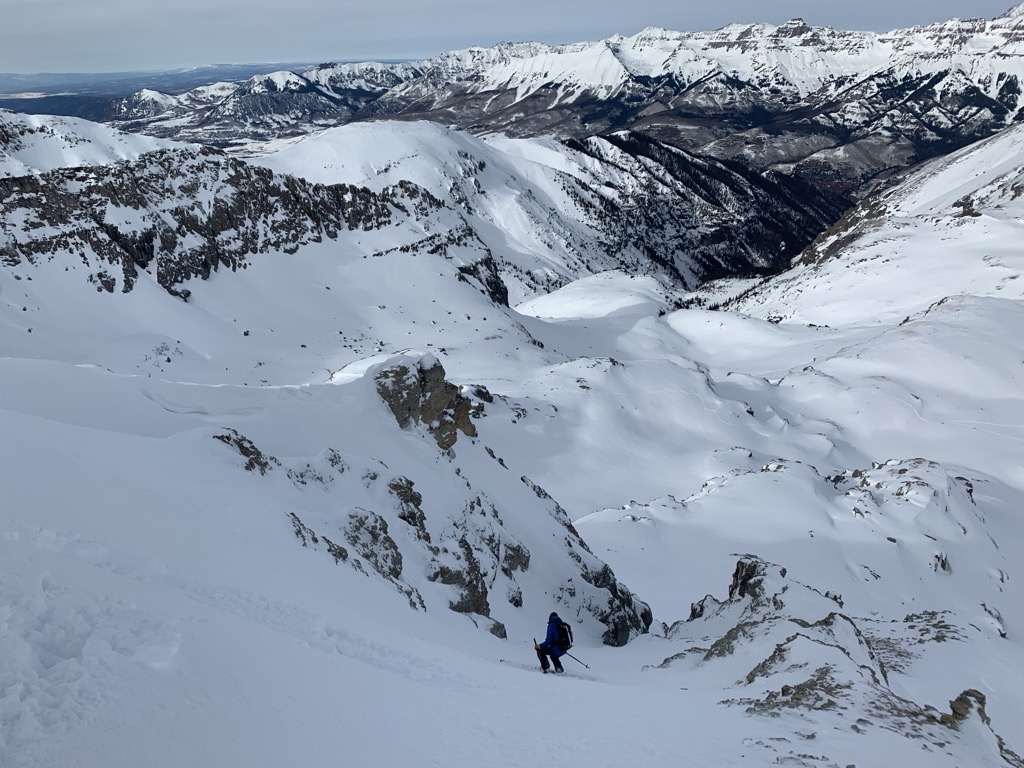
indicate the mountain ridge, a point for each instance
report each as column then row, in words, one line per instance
column 841, row 110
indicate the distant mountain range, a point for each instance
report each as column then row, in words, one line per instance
column 842, row 110
column 18, row 87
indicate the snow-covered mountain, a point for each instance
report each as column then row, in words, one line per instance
column 299, row 451
column 894, row 255
column 523, row 216
column 148, row 103
column 31, row 145
column 840, row 109
column 551, row 213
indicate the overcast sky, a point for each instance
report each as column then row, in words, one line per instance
column 131, row 35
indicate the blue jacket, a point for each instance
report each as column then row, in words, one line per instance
column 550, row 644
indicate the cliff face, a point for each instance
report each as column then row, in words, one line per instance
column 181, row 214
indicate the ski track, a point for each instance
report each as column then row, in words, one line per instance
column 59, row 646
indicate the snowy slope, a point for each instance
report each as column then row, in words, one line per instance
column 31, row 144
column 220, row 546
column 522, row 210
column 551, row 212
column 954, row 226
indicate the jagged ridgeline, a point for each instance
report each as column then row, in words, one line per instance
column 857, row 107
column 436, row 535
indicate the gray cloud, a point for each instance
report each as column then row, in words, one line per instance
column 127, row 35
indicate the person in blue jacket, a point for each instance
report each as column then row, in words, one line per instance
column 549, row 648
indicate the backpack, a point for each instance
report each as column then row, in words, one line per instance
column 564, row 640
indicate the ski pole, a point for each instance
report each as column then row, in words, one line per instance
column 573, row 657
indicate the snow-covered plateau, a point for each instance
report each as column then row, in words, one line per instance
column 299, row 452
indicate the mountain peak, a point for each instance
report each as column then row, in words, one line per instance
column 656, row 33
column 282, row 80
column 1016, row 12
column 793, row 28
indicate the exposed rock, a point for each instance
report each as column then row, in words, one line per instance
column 624, row 615
column 619, row 610
column 698, row 609
column 745, row 580
column 516, row 558
column 417, row 393
column 483, row 548
column 961, row 709
column 410, row 510
column 193, row 211
column 310, row 474
column 726, row 644
column 302, row 532
column 515, row 596
column 255, row 460
column 367, row 532
column 827, row 666
column 470, row 581
column 962, row 706
column 472, row 552
column 309, row 538
column 485, row 271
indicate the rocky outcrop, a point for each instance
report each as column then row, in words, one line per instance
column 747, row 579
column 255, row 460
column 486, row 273
column 367, row 532
column 793, row 653
column 469, row 578
column 417, row 393
column 470, row 558
column 410, row 510
column 624, row 615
